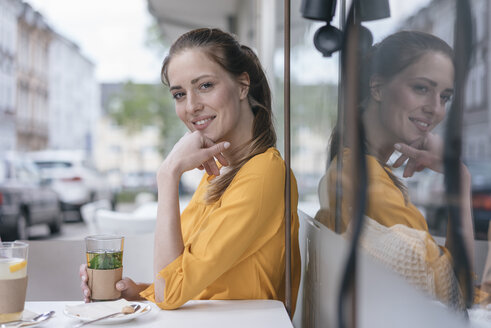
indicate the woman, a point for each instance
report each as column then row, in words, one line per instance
column 229, row 241
column 404, row 94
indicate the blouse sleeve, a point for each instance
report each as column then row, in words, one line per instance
column 244, row 221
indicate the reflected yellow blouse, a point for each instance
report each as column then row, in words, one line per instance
column 385, row 204
column 234, row 248
column 412, row 253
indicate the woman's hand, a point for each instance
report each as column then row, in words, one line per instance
column 421, row 154
column 194, row 150
column 83, row 282
column 128, row 288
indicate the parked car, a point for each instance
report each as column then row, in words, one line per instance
column 72, row 177
column 25, row 200
column 427, row 191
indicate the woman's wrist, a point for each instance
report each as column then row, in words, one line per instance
column 141, row 287
column 169, row 169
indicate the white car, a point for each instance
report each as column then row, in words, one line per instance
column 71, row 176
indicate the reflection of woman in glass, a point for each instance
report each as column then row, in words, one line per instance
column 229, row 241
column 406, row 88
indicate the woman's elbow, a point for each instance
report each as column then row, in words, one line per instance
column 159, row 290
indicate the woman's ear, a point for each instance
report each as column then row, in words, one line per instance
column 244, row 82
column 376, row 83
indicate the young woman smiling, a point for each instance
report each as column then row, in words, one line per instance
column 407, row 85
column 229, row 241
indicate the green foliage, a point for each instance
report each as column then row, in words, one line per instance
column 105, row 261
column 141, row 105
column 311, row 106
column 154, row 39
column 314, row 106
column 129, row 196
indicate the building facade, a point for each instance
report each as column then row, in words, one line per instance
column 9, row 11
column 33, row 38
column 73, row 96
column 49, row 97
column 438, row 18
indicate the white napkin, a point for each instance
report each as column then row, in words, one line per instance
column 97, row 309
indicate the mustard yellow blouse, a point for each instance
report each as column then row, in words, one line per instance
column 386, row 203
column 387, row 206
column 234, row 248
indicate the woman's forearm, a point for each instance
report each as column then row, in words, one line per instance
column 168, row 236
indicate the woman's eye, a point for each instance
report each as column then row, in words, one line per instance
column 446, row 98
column 420, row 89
column 206, row 85
column 178, row 95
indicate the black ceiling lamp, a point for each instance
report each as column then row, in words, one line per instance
column 327, row 39
column 369, row 10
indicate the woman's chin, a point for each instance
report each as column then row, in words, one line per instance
column 210, row 136
column 416, row 140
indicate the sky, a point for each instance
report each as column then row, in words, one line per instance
column 111, row 33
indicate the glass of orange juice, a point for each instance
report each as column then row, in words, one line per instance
column 13, row 279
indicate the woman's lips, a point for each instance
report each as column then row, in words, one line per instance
column 422, row 125
column 203, row 123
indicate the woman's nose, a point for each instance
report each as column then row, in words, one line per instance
column 432, row 104
column 193, row 103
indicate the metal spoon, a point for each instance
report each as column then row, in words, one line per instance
column 19, row 323
column 135, row 307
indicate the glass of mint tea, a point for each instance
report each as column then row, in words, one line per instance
column 104, row 265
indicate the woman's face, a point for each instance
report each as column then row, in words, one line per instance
column 208, row 98
column 413, row 102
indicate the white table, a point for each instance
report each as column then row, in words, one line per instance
column 203, row 314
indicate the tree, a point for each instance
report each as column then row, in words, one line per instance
column 312, row 106
column 140, row 105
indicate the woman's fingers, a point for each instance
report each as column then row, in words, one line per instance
column 82, row 271
column 409, row 169
column 407, row 150
column 403, row 158
column 85, row 292
column 211, row 167
column 126, row 285
column 122, row 285
column 128, row 288
column 83, row 283
column 193, row 150
column 419, row 159
column 215, row 150
column 222, row 159
column 211, row 152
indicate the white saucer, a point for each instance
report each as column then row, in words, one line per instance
column 144, row 309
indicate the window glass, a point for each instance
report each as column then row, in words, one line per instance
column 405, row 95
